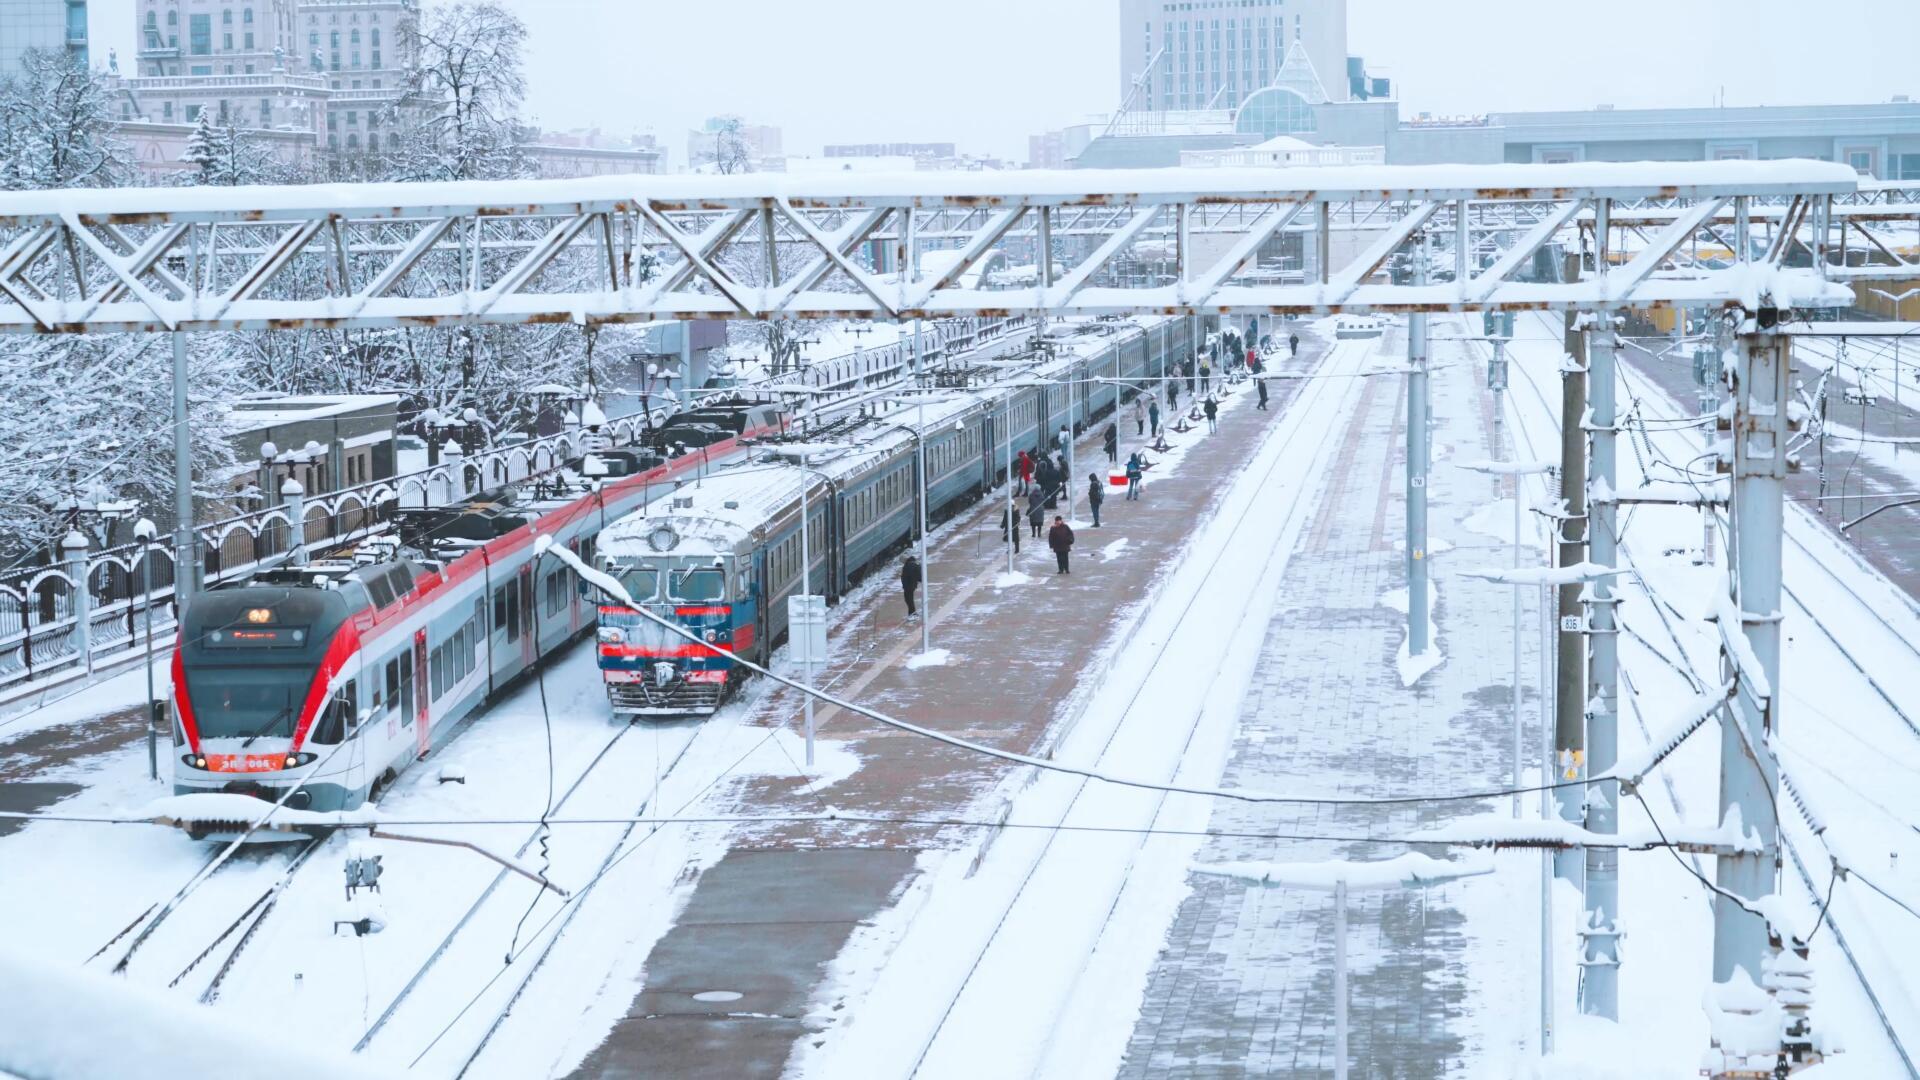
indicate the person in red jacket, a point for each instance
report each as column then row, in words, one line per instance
column 1025, row 466
column 1060, row 539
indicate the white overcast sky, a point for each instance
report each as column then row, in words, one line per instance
column 987, row 73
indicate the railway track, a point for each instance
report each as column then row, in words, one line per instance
column 1876, row 617
column 950, row 1047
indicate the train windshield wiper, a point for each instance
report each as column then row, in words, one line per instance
column 264, row 728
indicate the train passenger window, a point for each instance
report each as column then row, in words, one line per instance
column 500, row 608
column 393, row 683
column 437, row 671
column 406, row 686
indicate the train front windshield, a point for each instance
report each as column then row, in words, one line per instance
column 247, row 702
column 698, row 584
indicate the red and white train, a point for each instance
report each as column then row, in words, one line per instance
column 333, row 677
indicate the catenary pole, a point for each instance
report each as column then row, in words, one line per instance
column 1748, row 788
column 1570, row 738
column 186, row 569
column 1418, row 446
column 806, row 589
column 1600, row 959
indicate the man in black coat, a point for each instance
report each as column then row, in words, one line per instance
column 1010, row 527
column 1096, row 494
column 1111, row 439
column 1048, row 478
column 1060, row 539
column 910, row 581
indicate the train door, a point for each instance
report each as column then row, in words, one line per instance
column 529, row 654
column 413, row 693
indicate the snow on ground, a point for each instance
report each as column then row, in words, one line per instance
column 1412, row 667
column 1033, row 977
column 1495, row 520
column 930, row 658
column 1114, row 550
column 1008, row 579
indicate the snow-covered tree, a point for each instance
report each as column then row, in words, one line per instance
column 89, row 420
column 225, row 156
column 460, row 117
column 56, row 127
column 731, row 152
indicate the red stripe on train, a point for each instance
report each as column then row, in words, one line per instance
column 345, row 643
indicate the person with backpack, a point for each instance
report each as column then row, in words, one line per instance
column 1134, row 470
column 1060, row 539
column 1036, row 511
column 1293, row 345
column 1096, row 494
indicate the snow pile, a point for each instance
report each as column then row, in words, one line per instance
column 77, row 1025
column 1114, row 550
column 1008, row 579
column 930, row 658
column 1413, row 668
column 1495, row 519
column 1733, row 635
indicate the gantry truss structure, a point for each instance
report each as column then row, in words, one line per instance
column 935, row 245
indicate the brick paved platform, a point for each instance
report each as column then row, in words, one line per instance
column 1243, row 986
column 1024, row 656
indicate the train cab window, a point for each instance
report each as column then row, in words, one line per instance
column 700, row 583
column 641, row 583
column 338, row 719
column 401, row 578
column 380, row 590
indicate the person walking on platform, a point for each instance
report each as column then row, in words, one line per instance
column 1010, row 528
column 1253, row 360
column 1173, row 395
column 1188, row 366
column 1260, row 385
column 1065, row 441
column 1096, row 494
column 1110, row 438
column 1134, row 469
column 1213, row 410
column 1153, row 417
column 1293, row 345
column 1060, row 539
column 1206, row 375
column 1140, row 414
column 1036, row 511
column 910, row 581
column 1025, row 467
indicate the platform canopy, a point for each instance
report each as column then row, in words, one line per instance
column 616, row 249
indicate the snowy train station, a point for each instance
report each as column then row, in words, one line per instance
column 1231, row 601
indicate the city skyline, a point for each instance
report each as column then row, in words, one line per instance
column 1069, row 49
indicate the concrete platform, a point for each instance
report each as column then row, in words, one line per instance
column 1023, row 659
column 1243, row 986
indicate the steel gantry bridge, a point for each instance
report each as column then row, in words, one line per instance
column 931, row 245
column 1755, row 241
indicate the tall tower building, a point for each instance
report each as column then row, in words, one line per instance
column 1213, row 54
column 50, row 25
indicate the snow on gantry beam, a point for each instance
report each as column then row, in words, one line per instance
column 926, row 244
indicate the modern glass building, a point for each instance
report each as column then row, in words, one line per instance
column 41, row 24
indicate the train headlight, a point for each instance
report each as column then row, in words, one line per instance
column 194, row 761
column 293, row 761
column 713, row 635
column 612, row 635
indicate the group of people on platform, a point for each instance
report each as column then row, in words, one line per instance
column 1041, row 474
